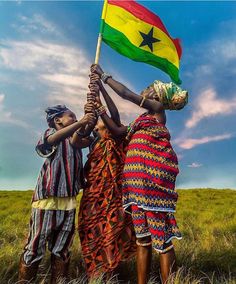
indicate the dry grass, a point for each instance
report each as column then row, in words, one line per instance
column 207, row 253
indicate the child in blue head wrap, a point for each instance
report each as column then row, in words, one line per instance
column 54, row 199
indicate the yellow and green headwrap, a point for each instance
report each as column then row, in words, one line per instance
column 170, row 95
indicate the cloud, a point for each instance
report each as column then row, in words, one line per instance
column 66, row 80
column 62, row 68
column 226, row 51
column 35, row 24
column 189, row 143
column 43, row 56
column 7, row 117
column 207, row 105
column 213, row 74
column 211, row 88
column 195, row 165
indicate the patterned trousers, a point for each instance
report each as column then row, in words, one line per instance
column 160, row 226
column 53, row 227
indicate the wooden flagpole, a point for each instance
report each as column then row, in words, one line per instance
column 98, row 50
column 99, row 43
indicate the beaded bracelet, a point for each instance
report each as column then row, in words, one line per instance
column 143, row 244
column 105, row 77
column 101, row 110
column 142, row 101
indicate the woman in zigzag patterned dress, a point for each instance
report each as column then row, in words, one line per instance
column 150, row 172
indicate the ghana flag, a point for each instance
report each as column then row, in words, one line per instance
column 137, row 33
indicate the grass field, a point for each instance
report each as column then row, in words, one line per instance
column 207, row 253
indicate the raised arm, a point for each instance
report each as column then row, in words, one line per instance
column 82, row 142
column 115, row 116
column 125, row 93
column 81, row 138
column 114, row 126
column 96, row 82
column 68, row 131
column 115, row 130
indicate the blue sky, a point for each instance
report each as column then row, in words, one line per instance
column 46, row 49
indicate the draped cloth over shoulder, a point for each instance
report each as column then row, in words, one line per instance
column 150, row 172
column 106, row 231
column 151, row 167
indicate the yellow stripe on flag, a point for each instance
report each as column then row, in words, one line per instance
column 104, row 10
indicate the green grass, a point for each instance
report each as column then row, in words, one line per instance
column 207, row 253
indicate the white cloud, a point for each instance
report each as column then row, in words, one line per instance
column 6, row 116
column 66, row 80
column 215, row 69
column 43, row 56
column 195, row 165
column 227, row 51
column 62, row 68
column 207, row 105
column 189, row 143
column 35, row 24
column 211, row 76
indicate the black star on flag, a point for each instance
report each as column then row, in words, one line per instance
column 148, row 39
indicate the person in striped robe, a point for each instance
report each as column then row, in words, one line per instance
column 54, row 199
column 150, row 171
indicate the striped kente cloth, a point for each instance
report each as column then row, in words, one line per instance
column 151, row 167
column 61, row 173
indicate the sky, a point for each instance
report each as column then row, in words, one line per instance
column 46, row 49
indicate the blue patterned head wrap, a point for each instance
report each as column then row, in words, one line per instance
column 55, row 111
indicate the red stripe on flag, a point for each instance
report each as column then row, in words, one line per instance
column 147, row 16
